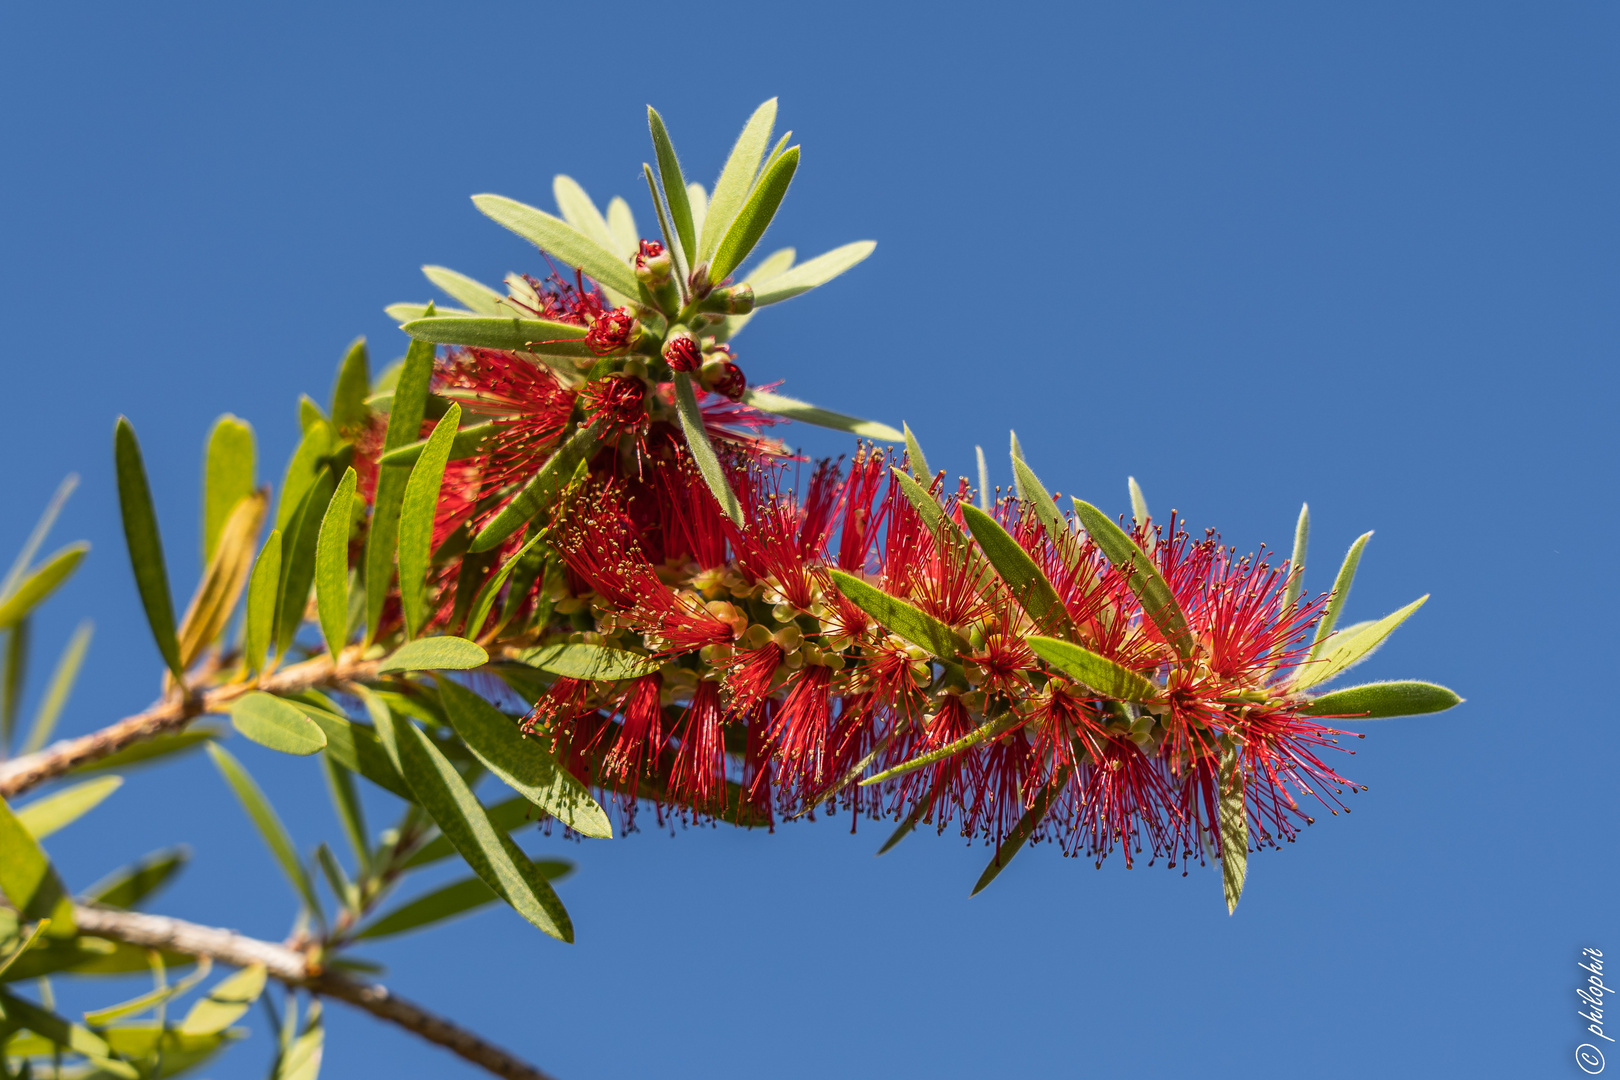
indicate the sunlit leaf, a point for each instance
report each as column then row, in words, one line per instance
column 561, row 240
column 1234, row 829
column 674, row 188
column 473, row 295
column 1381, row 700
column 1025, row 580
column 228, row 476
column 19, row 1012
column 405, row 415
column 622, row 223
column 484, row 601
column 12, row 679
column 1345, row 651
column 28, row 879
column 579, row 211
column 596, row 663
column 1034, row 496
column 1014, row 841
column 810, row 414
column 416, row 520
column 276, row 724
column 226, row 1003
column 61, row 685
column 1341, row 594
column 1099, row 673
column 129, row 885
column 1158, row 602
column 358, row 749
column 259, row 625
column 44, row 816
column 224, row 578
column 346, row 801
column 265, row 819
column 755, row 216
column 916, row 464
column 352, row 388
column 1296, row 565
column 509, row 334
column 32, row 590
column 435, row 654
column 508, row 816
column 308, row 463
column 699, row 201
column 467, row 442
column 36, row 537
column 98, row 1018
column 736, row 178
column 808, row 275
column 332, row 564
column 298, row 559
column 702, row 450
column 985, row 732
column 901, row 618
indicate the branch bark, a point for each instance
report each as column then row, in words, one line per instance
column 167, row 716
column 294, row 968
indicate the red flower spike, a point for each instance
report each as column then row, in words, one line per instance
column 749, row 678
column 699, row 774
column 799, row 730
column 641, row 732
column 862, row 515
column 612, row 332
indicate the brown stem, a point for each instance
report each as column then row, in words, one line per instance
column 166, row 717
column 294, row 969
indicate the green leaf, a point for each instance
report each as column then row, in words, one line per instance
column 596, row 663
column 560, row 240
column 228, row 476
column 579, row 211
column 302, row 1059
column 85, row 955
column 700, row 206
column 511, row 334
column 346, row 801
column 259, row 624
column 24, row 945
column 474, row 295
column 754, row 217
column 808, row 275
column 81, row 1040
column 538, row 494
column 1024, row 578
column 1234, row 829
column 344, row 890
column 1014, row 841
column 226, row 1003
column 1099, row 673
column 1034, row 496
column 42, row 817
column 358, row 749
column 810, row 414
column 416, row 521
column 493, row 856
column 332, row 564
column 916, row 464
column 99, row 1018
column 731, row 190
column 990, row 729
column 404, row 426
column 1158, row 602
column 276, row 724
column 674, row 188
column 11, row 680
column 484, row 601
column 62, row 680
column 777, row 262
column 899, row 617
column 129, row 885
column 160, row 746
column 34, row 588
column 508, row 816
column 436, row 654
column 307, row 465
column 42, row 528
column 1139, row 506
column 1381, row 700
column 703, row 455
column 454, row 899
column 1347, row 650
column 671, row 241
column 466, row 443
column 522, row 764
column 29, row 880
column 1296, row 565
column 1341, row 593
column 298, row 560
column 269, row 825
column 352, row 388
column 405, row 312
column 310, row 414
column 622, row 223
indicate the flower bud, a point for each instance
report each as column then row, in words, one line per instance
column 681, row 352
column 788, row 638
column 652, row 263
column 612, row 332
column 738, row 300
column 755, row 637
column 724, row 378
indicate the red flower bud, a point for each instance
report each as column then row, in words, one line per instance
column 613, row 331
column 723, row 377
column 652, row 263
column 681, row 353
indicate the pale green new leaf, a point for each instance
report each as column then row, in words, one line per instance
column 703, row 455
column 524, row 765
column 100, row 1018
column 1158, row 602
column 436, row 654
column 265, row 819
column 579, row 211
column 674, row 188
column 42, row 817
column 416, row 520
column 755, row 216
column 61, row 685
column 226, row 1003
column 307, row 465
column 1091, row 670
column 810, row 414
column 1347, row 650
column 595, row 663
column 622, row 224
column 1234, row 829
column 916, row 464
column 736, row 178
column 984, row 478
column 405, row 312
column 809, row 275
column 36, row 587
column 228, row 476
column 474, row 295
column 561, row 240
column 509, row 334
column 259, row 624
column 901, row 618
column 276, row 724
column 332, row 565
column 1381, row 700
column 29, row 880
column 699, row 201
column 1341, row 593
column 1296, row 565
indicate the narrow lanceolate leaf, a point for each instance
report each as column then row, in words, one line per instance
column 23, row 946
column 697, row 441
column 404, row 426
column 42, row 528
column 148, row 750
column 1014, row 841
column 454, row 899
column 754, row 217
column 436, row 654
column 1158, row 602
column 298, row 560
column 948, row 535
column 408, row 311
column 277, row 724
column 899, row 617
column 226, row 1003
column 809, row 414
column 265, row 819
column 129, row 885
column 42, row 817
column 11, row 680
column 346, row 801
column 561, row 240
column 777, row 262
column 524, row 765
column 1296, row 565
column 359, row 749
column 416, row 520
column 490, row 852
column 224, row 578
column 145, row 546
column 302, row 1058
column 579, row 211
column 1341, row 593
column 672, row 243
column 22, row 1013
column 259, row 624
column 508, row 815
column 808, row 275
column 352, row 388
column 1379, row 701
column 1347, row 650
column 984, row 478
column 467, row 442
column 731, row 190
column 99, row 1018
column 674, row 188
column 32, row 590
column 56, row 695
column 594, row 663
column 1234, row 829
column 622, row 223
column 484, row 601
column 473, row 295
column 1099, row 673
column 228, row 475
column 512, row 335
column 915, row 462
column 1139, row 506
column 332, row 565
column 1032, row 494
column 986, row 731
column 539, row 493
column 308, row 463
column 29, row 880
column 1028, row 585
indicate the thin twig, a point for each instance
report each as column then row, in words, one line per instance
column 166, row 717
column 295, row 969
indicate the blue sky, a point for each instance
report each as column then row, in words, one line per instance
column 1252, row 256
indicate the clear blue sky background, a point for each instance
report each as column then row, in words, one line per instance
column 1252, row 256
